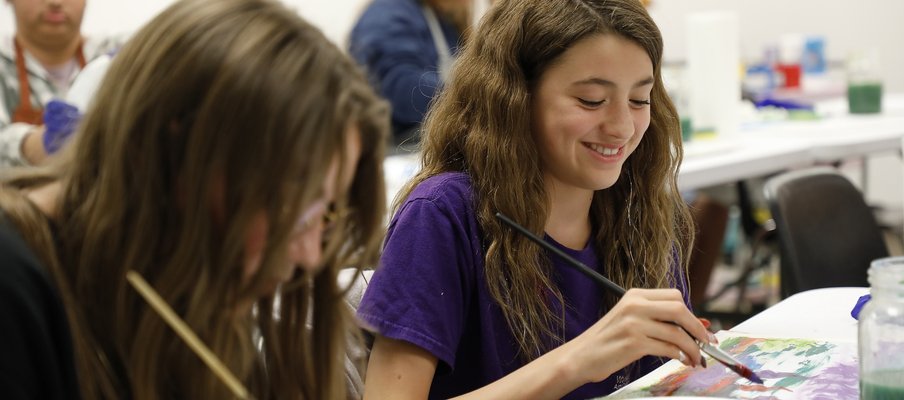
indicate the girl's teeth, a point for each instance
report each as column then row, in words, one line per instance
column 604, row 150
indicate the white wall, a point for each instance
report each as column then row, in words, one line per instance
column 334, row 17
column 846, row 25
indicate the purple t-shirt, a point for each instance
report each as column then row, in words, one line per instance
column 431, row 291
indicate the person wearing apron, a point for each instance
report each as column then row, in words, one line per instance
column 407, row 48
column 38, row 64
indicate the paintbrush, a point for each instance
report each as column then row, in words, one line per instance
column 714, row 352
column 159, row 305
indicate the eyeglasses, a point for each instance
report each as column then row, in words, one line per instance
column 336, row 214
column 321, row 212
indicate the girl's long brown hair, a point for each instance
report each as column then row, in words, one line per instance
column 481, row 124
column 214, row 112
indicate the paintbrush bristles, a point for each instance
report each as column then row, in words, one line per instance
column 189, row 336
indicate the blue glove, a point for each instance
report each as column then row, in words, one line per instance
column 60, row 120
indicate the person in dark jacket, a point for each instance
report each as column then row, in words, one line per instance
column 407, row 48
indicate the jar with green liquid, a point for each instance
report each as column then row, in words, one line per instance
column 864, row 91
column 881, row 332
column 687, row 128
column 865, row 98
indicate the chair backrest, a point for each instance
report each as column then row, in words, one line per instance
column 827, row 233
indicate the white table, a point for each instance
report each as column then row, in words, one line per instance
column 814, row 314
column 767, row 147
column 714, row 162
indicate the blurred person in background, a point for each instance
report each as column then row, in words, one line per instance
column 38, row 64
column 232, row 157
column 407, row 48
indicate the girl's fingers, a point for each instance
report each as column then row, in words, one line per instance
column 707, row 324
column 677, row 312
column 667, row 305
column 666, row 350
column 670, row 322
column 672, row 334
column 656, row 294
column 693, row 326
column 644, row 327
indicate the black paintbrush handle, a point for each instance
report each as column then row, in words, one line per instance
column 596, row 276
column 620, row 291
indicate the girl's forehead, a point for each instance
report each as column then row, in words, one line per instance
column 603, row 57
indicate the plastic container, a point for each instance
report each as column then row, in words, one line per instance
column 790, row 53
column 814, row 58
column 881, row 332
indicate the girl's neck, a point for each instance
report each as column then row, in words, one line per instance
column 569, row 215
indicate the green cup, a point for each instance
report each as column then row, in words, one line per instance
column 865, row 98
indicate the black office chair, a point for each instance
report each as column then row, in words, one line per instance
column 827, row 233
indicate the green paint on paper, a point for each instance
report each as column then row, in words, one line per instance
column 813, row 350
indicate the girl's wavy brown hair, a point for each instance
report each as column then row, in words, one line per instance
column 481, row 124
column 236, row 100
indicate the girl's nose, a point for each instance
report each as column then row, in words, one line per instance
column 619, row 121
column 306, row 247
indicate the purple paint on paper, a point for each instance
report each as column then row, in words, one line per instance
column 838, row 381
column 790, row 368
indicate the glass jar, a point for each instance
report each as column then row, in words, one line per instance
column 881, row 332
column 675, row 80
column 864, row 82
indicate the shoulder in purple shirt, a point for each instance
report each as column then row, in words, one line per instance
column 430, row 290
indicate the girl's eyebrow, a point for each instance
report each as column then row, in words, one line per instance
column 607, row 83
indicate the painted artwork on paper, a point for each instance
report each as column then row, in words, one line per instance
column 790, row 369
